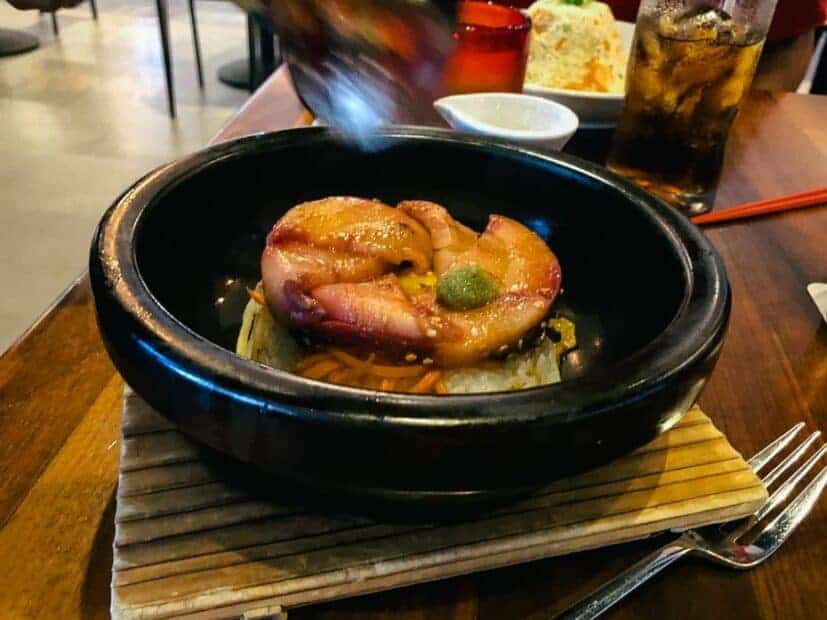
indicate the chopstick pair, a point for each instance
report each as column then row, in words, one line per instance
column 800, row 200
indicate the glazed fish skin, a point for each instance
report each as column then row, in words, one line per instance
column 332, row 268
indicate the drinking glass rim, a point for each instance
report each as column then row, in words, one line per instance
column 524, row 25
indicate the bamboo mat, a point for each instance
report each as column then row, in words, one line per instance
column 189, row 543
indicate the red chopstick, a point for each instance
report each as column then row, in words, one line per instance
column 809, row 198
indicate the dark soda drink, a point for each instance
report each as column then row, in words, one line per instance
column 686, row 79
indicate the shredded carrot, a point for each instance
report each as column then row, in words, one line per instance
column 346, row 358
column 426, row 382
column 368, row 362
column 397, row 372
column 389, row 372
column 320, row 370
column 315, row 358
column 339, row 376
column 364, row 368
column 256, row 296
column 337, row 366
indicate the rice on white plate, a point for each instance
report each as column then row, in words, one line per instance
column 575, row 45
column 263, row 339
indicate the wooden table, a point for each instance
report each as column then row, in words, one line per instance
column 60, row 404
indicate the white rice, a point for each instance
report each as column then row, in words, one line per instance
column 265, row 340
column 575, row 47
column 537, row 366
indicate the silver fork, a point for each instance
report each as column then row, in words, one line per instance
column 721, row 545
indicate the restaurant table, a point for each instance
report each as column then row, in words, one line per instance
column 60, row 406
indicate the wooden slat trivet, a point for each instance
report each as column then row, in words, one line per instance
column 189, row 543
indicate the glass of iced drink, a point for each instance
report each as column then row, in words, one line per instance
column 691, row 65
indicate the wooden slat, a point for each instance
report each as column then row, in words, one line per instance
column 350, row 535
column 240, row 538
column 196, row 544
column 146, row 530
column 178, row 500
column 159, row 478
column 154, row 449
column 143, row 419
column 156, row 479
column 219, row 493
column 356, row 578
column 592, row 517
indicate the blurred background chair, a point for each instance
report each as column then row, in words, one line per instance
column 56, row 27
column 16, row 42
column 262, row 57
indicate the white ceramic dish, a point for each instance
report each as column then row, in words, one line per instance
column 818, row 291
column 524, row 119
column 595, row 110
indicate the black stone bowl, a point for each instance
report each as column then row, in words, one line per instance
column 172, row 257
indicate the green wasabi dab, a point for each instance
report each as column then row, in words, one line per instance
column 465, row 288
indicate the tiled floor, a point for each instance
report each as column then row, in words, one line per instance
column 82, row 117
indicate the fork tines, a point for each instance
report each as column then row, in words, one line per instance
column 764, row 542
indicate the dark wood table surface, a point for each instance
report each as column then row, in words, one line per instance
column 60, row 402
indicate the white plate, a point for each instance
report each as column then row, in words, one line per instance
column 595, row 110
column 818, row 291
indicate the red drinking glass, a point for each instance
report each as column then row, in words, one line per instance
column 491, row 51
column 516, row 4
